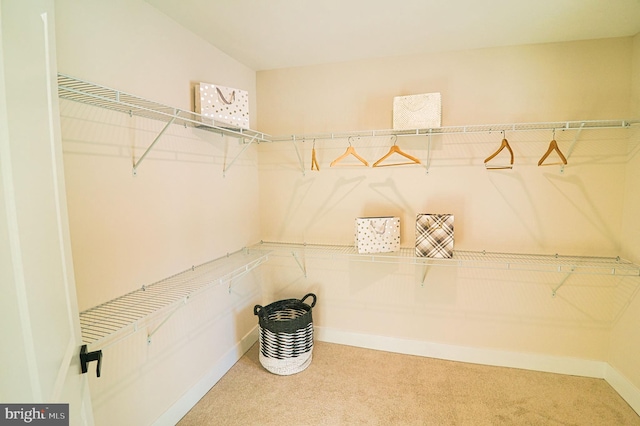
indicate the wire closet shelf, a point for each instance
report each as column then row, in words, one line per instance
column 120, row 317
column 463, row 258
column 77, row 90
column 85, row 92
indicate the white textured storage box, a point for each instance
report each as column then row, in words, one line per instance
column 422, row 111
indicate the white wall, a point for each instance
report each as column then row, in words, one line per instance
column 529, row 83
column 174, row 210
column 177, row 212
column 529, row 209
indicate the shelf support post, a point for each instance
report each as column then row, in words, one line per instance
column 570, row 150
column 167, row 318
column 137, row 163
column 300, row 265
column 428, row 162
column 426, row 272
column 564, row 280
column 247, row 145
column 293, row 141
column 247, row 268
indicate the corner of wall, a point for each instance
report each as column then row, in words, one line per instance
column 635, row 83
column 623, row 373
column 625, row 388
column 630, row 233
column 173, row 415
column 632, row 206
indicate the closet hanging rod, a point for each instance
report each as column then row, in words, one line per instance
column 85, row 92
column 468, row 129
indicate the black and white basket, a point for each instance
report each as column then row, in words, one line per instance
column 286, row 335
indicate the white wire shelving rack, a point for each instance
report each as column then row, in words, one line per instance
column 85, row 92
column 93, row 94
column 157, row 302
column 154, row 304
column 466, row 259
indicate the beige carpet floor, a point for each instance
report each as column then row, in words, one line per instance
column 351, row 386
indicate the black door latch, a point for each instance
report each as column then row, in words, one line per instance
column 87, row 357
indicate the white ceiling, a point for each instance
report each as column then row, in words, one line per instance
column 268, row 34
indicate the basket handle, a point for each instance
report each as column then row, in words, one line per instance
column 257, row 309
column 314, row 299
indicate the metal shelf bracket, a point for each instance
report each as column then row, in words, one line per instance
column 247, row 268
column 247, row 145
column 299, row 156
column 300, row 264
column 564, row 280
column 164, row 129
column 428, row 162
column 572, row 146
column 424, row 275
column 164, row 321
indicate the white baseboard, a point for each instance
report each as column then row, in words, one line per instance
column 189, row 399
column 537, row 362
column 627, row 390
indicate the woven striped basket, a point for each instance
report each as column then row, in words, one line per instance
column 286, row 335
